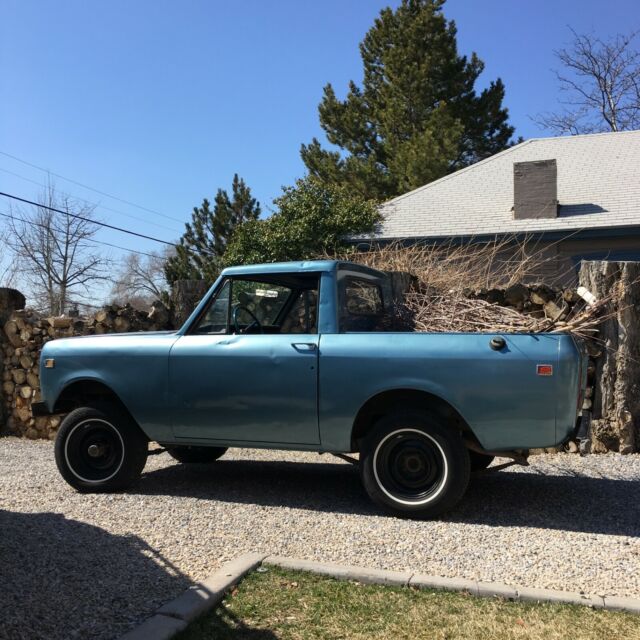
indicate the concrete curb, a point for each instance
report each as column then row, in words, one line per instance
column 174, row 616
column 482, row 589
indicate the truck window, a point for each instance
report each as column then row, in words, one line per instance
column 262, row 300
column 277, row 307
column 361, row 305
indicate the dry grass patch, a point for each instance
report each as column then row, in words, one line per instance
column 303, row 606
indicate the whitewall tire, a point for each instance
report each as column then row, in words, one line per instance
column 414, row 464
column 100, row 449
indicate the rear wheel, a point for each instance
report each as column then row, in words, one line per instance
column 100, row 449
column 188, row 454
column 414, row 465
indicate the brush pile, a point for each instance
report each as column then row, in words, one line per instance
column 480, row 289
column 496, row 311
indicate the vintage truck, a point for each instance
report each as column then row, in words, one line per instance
column 299, row 356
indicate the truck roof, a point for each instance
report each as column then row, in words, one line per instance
column 299, row 267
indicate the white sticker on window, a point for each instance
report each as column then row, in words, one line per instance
column 266, row 293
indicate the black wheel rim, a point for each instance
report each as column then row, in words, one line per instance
column 410, row 466
column 94, row 451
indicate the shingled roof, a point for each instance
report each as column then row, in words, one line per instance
column 598, row 188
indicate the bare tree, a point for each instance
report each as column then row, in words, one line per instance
column 141, row 279
column 601, row 82
column 56, row 259
column 7, row 265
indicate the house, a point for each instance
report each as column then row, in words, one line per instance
column 577, row 197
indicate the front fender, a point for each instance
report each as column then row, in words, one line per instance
column 134, row 367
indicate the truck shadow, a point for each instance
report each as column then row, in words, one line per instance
column 66, row 579
column 506, row 498
column 583, row 504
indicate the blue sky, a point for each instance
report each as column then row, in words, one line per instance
column 160, row 102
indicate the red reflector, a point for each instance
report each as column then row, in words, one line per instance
column 544, row 370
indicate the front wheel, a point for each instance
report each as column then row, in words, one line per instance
column 414, row 465
column 100, row 449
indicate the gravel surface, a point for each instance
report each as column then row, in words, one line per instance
column 92, row 566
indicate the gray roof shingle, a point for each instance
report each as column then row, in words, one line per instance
column 598, row 187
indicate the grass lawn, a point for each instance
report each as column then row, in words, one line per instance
column 300, row 606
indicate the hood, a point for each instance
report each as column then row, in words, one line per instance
column 140, row 334
column 111, row 343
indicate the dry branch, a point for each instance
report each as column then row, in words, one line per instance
column 478, row 288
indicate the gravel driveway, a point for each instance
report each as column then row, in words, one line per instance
column 91, row 566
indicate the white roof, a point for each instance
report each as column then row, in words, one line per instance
column 598, row 187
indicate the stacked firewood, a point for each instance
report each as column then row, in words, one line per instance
column 25, row 332
column 123, row 319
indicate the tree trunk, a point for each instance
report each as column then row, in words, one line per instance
column 616, row 402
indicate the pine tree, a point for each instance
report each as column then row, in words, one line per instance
column 417, row 116
column 199, row 254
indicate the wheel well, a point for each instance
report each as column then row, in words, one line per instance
column 382, row 403
column 85, row 393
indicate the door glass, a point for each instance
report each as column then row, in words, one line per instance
column 217, row 315
column 251, row 306
column 263, row 301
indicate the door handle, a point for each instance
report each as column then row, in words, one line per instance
column 304, row 346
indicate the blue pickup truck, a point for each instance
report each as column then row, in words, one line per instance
column 300, row 356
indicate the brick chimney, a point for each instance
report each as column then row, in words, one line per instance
column 535, row 189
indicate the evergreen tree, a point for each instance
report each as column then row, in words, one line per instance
column 199, row 254
column 313, row 219
column 417, row 116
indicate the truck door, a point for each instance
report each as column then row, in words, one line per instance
column 248, row 369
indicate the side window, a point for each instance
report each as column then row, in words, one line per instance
column 251, row 300
column 252, row 306
column 217, row 315
column 361, row 305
